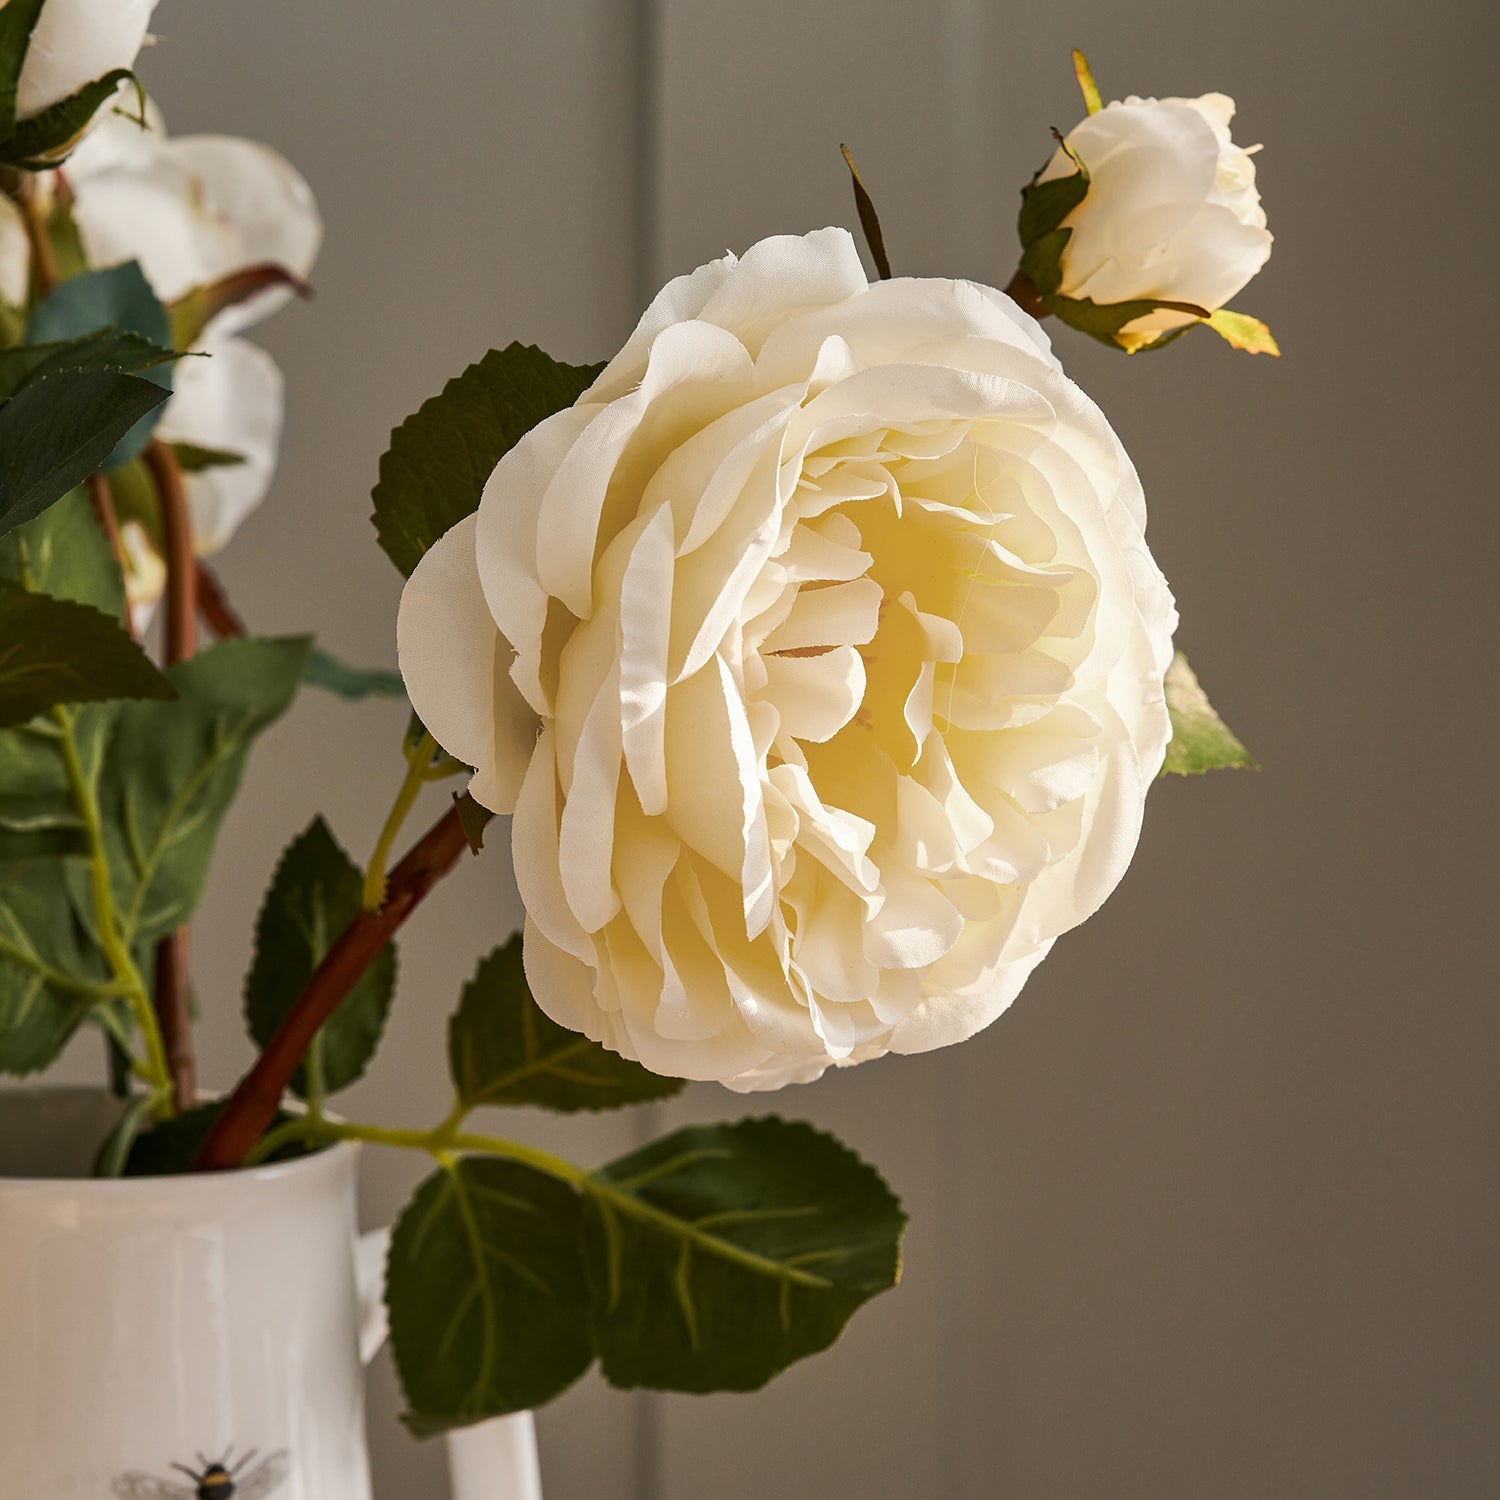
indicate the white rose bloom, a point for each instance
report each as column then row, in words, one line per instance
column 76, row 42
column 191, row 211
column 819, row 655
column 1172, row 212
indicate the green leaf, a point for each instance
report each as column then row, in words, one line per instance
column 1241, row 331
column 45, row 140
column 51, row 975
column 114, row 1154
column 118, row 298
column 1201, row 740
column 1106, row 320
column 313, row 896
column 869, row 220
column 125, row 352
column 58, row 430
column 18, row 20
column 1093, row 101
column 170, row 1148
column 487, row 1294
column 352, row 683
column 441, row 457
column 172, row 769
column 503, row 1049
column 723, row 1253
column 58, row 651
column 192, row 459
column 64, row 553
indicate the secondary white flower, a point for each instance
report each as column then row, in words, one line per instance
column 1171, row 213
column 193, row 210
column 818, row 652
column 76, row 42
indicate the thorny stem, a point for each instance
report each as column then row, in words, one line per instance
column 253, row 1104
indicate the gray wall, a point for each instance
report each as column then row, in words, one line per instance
column 1211, row 1212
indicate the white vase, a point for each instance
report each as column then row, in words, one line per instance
column 162, row 1335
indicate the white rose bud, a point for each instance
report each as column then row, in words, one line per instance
column 819, row 655
column 76, row 42
column 1171, row 213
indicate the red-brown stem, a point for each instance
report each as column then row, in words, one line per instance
column 181, row 641
column 102, row 498
column 214, row 605
column 177, row 1036
column 253, row 1105
column 43, row 261
column 1022, row 289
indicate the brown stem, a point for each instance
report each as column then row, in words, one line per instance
column 172, row 1014
column 1022, row 290
column 181, row 641
column 177, row 543
column 215, row 607
column 43, row 261
column 102, row 498
column 253, row 1105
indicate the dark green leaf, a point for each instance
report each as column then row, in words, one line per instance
column 869, row 220
column 442, row 455
column 50, row 973
column 170, row 1148
column 171, row 770
column 1201, row 740
column 125, row 352
column 487, row 1295
column 119, row 298
column 723, row 1253
column 314, row 895
column 45, row 139
column 118, row 1144
column 474, row 818
column 60, row 429
column 17, row 21
column 192, row 459
column 1105, row 320
column 503, row 1049
column 64, row 553
column 56, row 651
column 353, row 683
column 1044, row 205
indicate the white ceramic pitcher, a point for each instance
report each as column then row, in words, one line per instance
column 166, row 1338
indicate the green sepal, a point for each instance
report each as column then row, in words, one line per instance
column 314, row 894
column 45, row 140
column 721, row 1254
column 58, row 651
column 1201, row 740
column 1044, row 205
column 503, row 1049
column 869, row 220
column 1241, row 331
column 195, row 309
column 442, row 455
column 488, row 1297
column 1106, row 321
column 18, row 20
column 1093, row 101
column 192, row 459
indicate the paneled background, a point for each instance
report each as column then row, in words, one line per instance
column 1212, row 1211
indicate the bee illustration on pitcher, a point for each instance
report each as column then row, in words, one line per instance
column 228, row 1479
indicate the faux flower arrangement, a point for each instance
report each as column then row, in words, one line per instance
column 811, row 643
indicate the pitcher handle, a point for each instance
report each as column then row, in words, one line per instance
column 495, row 1460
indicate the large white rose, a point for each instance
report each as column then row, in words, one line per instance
column 1172, row 212
column 819, row 654
column 76, row 42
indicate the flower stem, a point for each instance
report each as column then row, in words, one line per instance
column 128, row 977
column 214, row 603
column 254, row 1102
column 418, row 761
column 181, row 641
column 43, row 261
